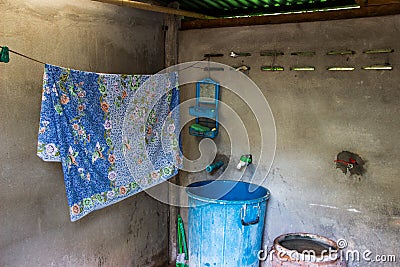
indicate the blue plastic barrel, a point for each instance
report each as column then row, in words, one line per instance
column 226, row 223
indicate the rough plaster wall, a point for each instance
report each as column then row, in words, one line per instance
column 318, row 114
column 34, row 222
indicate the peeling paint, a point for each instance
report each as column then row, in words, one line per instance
column 35, row 227
column 354, row 210
column 336, row 208
column 324, row 206
column 317, row 115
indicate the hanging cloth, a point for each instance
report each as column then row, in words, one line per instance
column 115, row 135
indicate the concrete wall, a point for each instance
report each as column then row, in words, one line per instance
column 34, row 222
column 318, row 114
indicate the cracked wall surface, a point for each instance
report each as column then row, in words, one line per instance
column 318, row 114
column 34, row 216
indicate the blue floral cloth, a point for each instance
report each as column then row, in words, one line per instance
column 115, row 135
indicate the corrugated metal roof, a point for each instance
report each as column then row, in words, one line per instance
column 232, row 8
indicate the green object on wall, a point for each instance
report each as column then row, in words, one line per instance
column 200, row 128
column 4, row 54
column 182, row 258
column 233, row 8
column 272, row 68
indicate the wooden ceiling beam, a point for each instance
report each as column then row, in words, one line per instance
column 368, row 9
column 364, row 3
column 156, row 8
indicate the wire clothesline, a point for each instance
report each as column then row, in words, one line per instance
column 41, row 62
column 25, row 56
column 22, row 55
column 5, row 48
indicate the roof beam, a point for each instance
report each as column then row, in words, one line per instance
column 156, row 8
column 369, row 9
column 376, row 2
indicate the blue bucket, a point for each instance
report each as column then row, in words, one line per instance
column 226, row 223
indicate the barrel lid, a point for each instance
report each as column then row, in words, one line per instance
column 227, row 192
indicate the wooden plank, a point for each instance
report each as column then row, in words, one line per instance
column 171, row 26
column 376, row 2
column 366, row 11
column 155, row 8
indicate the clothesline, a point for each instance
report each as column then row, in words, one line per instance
column 25, row 56
column 22, row 55
column 38, row 61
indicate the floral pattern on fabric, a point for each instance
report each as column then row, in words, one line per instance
column 115, row 135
